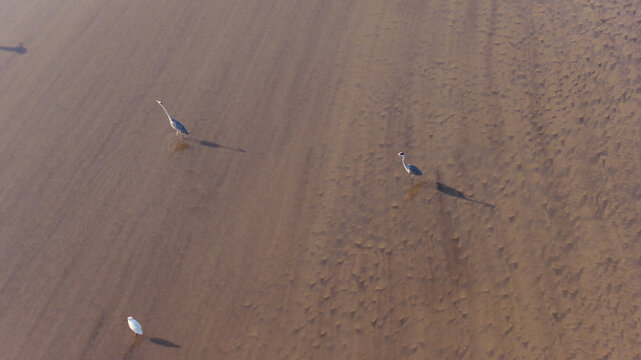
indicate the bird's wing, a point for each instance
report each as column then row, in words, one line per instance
column 135, row 326
column 180, row 126
column 414, row 170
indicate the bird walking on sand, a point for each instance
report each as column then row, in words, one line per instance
column 134, row 325
column 411, row 169
column 180, row 128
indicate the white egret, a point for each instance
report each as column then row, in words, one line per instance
column 134, row 325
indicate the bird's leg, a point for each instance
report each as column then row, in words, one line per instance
column 412, row 179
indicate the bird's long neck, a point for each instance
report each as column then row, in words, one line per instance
column 166, row 112
column 405, row 163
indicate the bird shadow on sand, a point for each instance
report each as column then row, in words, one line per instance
column 18, row 49
column 183, row 144
column 442, row 188
column 214, row 145
column 163, row 342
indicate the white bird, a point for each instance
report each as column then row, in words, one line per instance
column 411, row 169
column 134, row 325
column 180, row 128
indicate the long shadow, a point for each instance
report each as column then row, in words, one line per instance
column 458, row 194
column 214, row 145
column 163, row 342
column 18, row 49
column 450, row 191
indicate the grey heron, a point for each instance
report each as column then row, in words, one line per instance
column 411, row 169
column 180, row 128
column 134, row 325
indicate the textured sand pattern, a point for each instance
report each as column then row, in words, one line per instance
column 284, row 227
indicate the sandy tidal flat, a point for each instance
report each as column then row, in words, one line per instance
column 284, row 226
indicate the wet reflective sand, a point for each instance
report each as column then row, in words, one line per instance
column 285, row 225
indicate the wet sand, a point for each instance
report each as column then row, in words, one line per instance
column 285, row 227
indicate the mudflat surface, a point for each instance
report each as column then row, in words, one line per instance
column 284, row 226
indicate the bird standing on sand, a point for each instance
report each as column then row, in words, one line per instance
column 180, row 128
column 411, row 169
column 134, row 325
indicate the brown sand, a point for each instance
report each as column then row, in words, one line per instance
column 285, row 226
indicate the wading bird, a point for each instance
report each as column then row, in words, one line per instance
column 180, row 128
column 411, row 169
column 134, row 325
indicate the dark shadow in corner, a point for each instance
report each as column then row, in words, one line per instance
column 18, row 49
column 450, row 191
column 163, row 342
